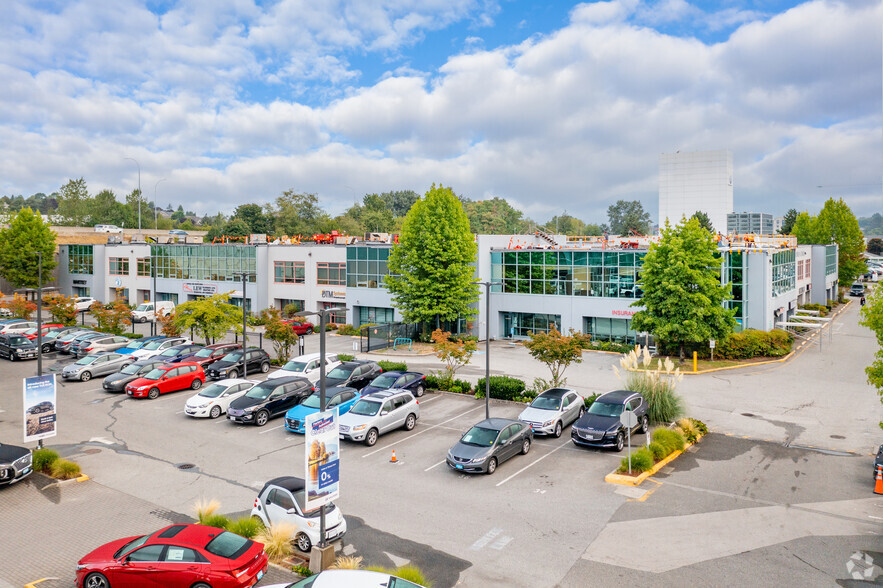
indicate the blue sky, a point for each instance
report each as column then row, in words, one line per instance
column 554, row 106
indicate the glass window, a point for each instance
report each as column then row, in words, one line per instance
column 182, row 554
column 80, row 259
column 289, row 272
column 283, row 499
column 228, row 545
column 147, row 553
column 331, row 274
column 143, row 266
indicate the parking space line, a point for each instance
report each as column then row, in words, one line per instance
column 420, row 432
column 273, row 429
column 562, row 446
column 434, row 466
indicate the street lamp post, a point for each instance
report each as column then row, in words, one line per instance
column 245, row 276
column 487, row 346
column 155, row 222
column 139, row 192
column 39, row 312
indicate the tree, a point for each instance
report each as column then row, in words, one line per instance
column 704, row 221
column 566, row 225
column 167, row 325
column 788, row 222
column 430, row 270
column 872, row 317
column 494, row 217
column 626, row 216
column 253, row 216
column 455, row 354
column 20, row 307
column 400, row 202
column 236, row 228
column 105, row 208
column 74, row 203
column 62, row 309
column 210, row 317
column 113, row 319
column 557, row 351
column 299, row 214
column 683, row 296
column 281, row 334
column 875, row 246
column 26, row 234
column 134, row 202
column 835, row 224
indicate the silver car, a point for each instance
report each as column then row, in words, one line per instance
column 553, row 410
column 69, row 345
column 379, row 413
column 106, row 343
column 98, row 364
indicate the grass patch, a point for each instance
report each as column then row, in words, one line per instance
column 216, row 520
column 276, row 540
column 64, row 469
column 205, row 508
column 670, row 440
column 642, row 461
column 43, row 459
column 248, row 527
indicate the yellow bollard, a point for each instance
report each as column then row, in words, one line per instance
column 695, row 362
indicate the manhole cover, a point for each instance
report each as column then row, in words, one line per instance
column 748, row 414
column 91, row 451
column 837, row 437
column 185, row 466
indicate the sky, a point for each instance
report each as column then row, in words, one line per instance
column 555, row 106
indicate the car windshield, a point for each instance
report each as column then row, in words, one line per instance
column 385, row 381
column 31, row 331
column 170, row 352
column 69, row 336
column 151, row 345
column 294, row 366
column 261, row 392
column 134, row 543
column 605, row 409
column 234, row 356
column 143, row 307
column 545, row 403
column 136, row 344
column 18, row 340
column 205, row 352
column 214, row 390
column 313, row 401
column 341, row 372
column 131, row 369
column 154, row 374
column 365, row 408
column 87, row 360
column 228, row 545
column 480, row 436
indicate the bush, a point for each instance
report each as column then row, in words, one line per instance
column 410, row 573
column 432, row 381
column 302, row 571
column 216, row 520
column 247, row 527
column 664, row 405
column 642, row 461
column 460, row 387
column 393, row 366
column 752, row 343
column 43, row 459
column 700, row 427
column 64, row 469
column 502, row 387
column 670, row 440
column 611, row 346
column 205, row 508
column 685, row 426
column 437, row 382
column 347, row 330
column 658, row 451
column 345, row 357
column 276, row 540
column 589, row 400
column 289, row 310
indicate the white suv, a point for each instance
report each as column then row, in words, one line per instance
column 83, row 303
column 306, row 366
column 379, row 413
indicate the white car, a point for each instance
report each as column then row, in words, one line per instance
column 350, row 579
column 214, row 400
column 306, row 366
column 282, row 500
column 157, row 346
column 83, row 303
column 553, row 410
column 17, row 327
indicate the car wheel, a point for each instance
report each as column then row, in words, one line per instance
column 265, row 367
column 645, row 424
column 303, row 542
column 410, row 422
column 96, row 580
column 371, row 438
column 419, row 391
column 558, row 428
column 143, row 319
column 196, row 384
column 11, row 356
column 47, row 348
column 620, row 441
column 491, row 465
column 261, row 418
column 201, row 585
column 525, row 446
column 215, row 412
column 153, row 394
column 232, row 374
column 86, row 376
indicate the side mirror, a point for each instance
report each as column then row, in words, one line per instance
column 292, row 511
column 384, row 413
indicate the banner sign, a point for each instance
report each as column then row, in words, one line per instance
column 322, row 447
column 38, row 393
column 200, row 289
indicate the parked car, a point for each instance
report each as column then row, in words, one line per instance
column 214, row 400
column 413, row 382
column 108, row 229
column 17, row 327
column 69, row 346
column 210, row 354
column 15, row 463
column 14, row 347
column 600, row 425
column 97, row 364
column 180, row 555
column 32, row 332
column 147, row 311
column 178, row 352
column 300, row 327
column 168, row 377
column 342, row 399
column 52, row 335
column 378, row 414
column 105, row 343
column 857, row 289
column 553, row 410
column 5, row 312
column 355, row 374
column 269, row 399
column 178, row 232
column 488, row 444
column 62, row 341
column 281, row 500
column 230, row 365
column 117, row 381
column 136, row 344
column 306, row 366
column 349, row 579
column 157, row 346
column 83, row 303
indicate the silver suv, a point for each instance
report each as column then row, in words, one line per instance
column 379, row 413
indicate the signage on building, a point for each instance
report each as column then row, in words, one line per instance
column 80, row 282
column 334, row 294
column 200, row 289
column 40, row 405
column 623, row 312
column 321, row 444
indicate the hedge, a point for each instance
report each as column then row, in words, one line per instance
column 744, row 345
column 502, row 387
column 393, row 366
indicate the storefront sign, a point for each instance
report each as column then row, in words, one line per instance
column 200, row 289
column 39, row 407
column 321, row 445
column 80, row 282
column 623, row 312
column 334, row 294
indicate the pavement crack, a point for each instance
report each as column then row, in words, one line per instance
column 258, row 457
column 810, row 565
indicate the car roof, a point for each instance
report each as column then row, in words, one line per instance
column 355, row 363
column 332, row 390
column 495, row 423
column 220, row 345
column 285, row 380
column 148, row 361
column 351, row 579
column 556, row 393
column 617, row 396
column 384, row 394
column 290, row 483
column 234, row 381
column 185, row 533
column 183, row 363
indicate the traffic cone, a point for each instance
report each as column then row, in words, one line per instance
column 393, row 460
column 878, row 487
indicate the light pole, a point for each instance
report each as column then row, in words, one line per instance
column 245, row 276
column 487, row 346
column 139, row 192
column 155, row 223
column 39, row 312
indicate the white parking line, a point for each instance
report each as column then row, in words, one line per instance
column 562, row 446
column 273, row 429
column 434, row 466
column 387, row 446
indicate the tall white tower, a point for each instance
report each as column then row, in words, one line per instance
column 701, row 180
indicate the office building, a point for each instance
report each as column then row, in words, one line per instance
column 743, row 223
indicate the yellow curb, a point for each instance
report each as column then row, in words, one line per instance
column 82, row 478
column 614, row 478
column 35, row 582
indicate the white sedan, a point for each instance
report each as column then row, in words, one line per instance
column 553, row 410
column 306, row 366
column 214, row 400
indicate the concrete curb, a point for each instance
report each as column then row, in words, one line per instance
column 59, row 483
column 615, row 478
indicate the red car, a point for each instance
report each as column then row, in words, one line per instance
column 177, row 556
column 168, row 377
column 32, row 333
column 211, row 353
column 300, row 328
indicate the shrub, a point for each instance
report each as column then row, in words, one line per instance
column 345, row 357
column 656, row 386
column 611, row 346
column 642, row 461
column 502, row 387
column 700, row 427
column 432, row 381
column 589, row 400
column 752, row 343
column 248, row 527
column 205, row 508
column 346, row 562
column 276, row 540
column 460, row 387
column 302, row 571
column 688, row 430
column 216, row 520
column 289, row 310
column 347, row 330
column 670, row 440
column 393, row 366
column 43, row 459
column 64, row 469
column 330, row 327
column 658, row 451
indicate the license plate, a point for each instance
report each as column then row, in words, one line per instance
column 260, row 574
column 230, row 418
column 342, row 437
column 26, row 471
column 459, row 467
column 129, row 392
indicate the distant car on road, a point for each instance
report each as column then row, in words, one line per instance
column 857, row 289
column 178, row 232
column 600, row 425
column 488, row 444
column 108, row 229
column 553, row 410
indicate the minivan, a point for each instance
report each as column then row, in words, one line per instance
column 146, row 311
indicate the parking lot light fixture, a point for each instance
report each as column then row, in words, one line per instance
column 487, row 346
column 245, row 276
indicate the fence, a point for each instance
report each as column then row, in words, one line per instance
column 383, row 336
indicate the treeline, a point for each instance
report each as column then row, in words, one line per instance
column 872, row 225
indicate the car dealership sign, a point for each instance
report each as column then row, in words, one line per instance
column 322, row 447
column 39, row 404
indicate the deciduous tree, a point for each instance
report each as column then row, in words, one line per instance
column 875, row 246
column 26, row 234
column 281, row 334
column 299, row 214
column 872, row 317
column 62, row 309
column 20, row 307
column 557, row 351
column 210, row 317
column 113, row 319
column 455, row 354
column 626, row 216
column 74, row 203
column 835, row 224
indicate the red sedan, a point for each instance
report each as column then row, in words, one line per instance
column 177, row 556
column 168, row 377
column 300, row 328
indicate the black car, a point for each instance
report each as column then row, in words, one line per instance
column 52, row 335
column 41, row 407
column 117, row 382
column 230, row 366
column 14, row 346
column 878, row 461
column 488, row 444
column 600, row 425
column 857, row 289
column 413, row 382
column 269, row 399
column 15, row 463
column 355, row 374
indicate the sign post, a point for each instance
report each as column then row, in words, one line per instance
column 321, row 446
column 39, row 404
column 629, row 420
column 711, row 343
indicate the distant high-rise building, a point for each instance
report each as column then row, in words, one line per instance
column 701, row 180
column 778, row 223
column 759, row 223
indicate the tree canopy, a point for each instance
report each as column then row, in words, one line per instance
column 788, row 222
column 835, row 224
column 494, row 216
column 625, row 216
column 26, row 234
column 872, row 317
column 210, row 317
column 704, row 221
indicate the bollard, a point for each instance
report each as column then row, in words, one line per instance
column 695, row 362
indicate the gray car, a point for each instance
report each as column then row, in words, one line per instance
column 379, row 413
column 488, row 444
column 68, row 346
column 106, row 343
column 98, row 364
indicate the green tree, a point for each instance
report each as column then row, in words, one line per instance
column 875, row 246
column 253, row 215
column 74, row 203
column 788, row 222
column 62, row 309
column 872, row 317
column 591, row 229
column 704, row 221
column 683, row 296
column 281, row 334
column 430, row 270
column 455, row 354
column 565, row 225
column 236, row 228
column 112, row 319
column 626, row 216
column 557, row 351
column 26, row 234
column 835, row 224
column 210, row 317
column 400, row 201
column 106, row 209
column 494, row 216
column 299, row 214
column 134, row 202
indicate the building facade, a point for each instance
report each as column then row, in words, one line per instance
column 690, row 182
column 742, row 223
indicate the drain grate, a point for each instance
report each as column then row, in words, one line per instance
column 91, row 451
column 185, row 466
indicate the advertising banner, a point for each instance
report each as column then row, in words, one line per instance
column 322, row 447
column 39, row 405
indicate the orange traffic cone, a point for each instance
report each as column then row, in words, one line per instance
column 878, row 487
column 393, row 460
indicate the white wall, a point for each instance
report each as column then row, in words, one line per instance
column 699, row 180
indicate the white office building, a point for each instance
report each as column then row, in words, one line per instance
column 690, row 182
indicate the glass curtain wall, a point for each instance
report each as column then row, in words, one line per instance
column 733, row 271
column 610, row 329
column 80, row 259
column 784, row 271
column 366, row 266
column 217, row 263
column 519, row 324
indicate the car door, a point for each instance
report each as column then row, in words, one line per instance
column 232, row 393
column 387, row 416
column 4, row 346
column 182, row 566
column 347, row 399
column 141, row 568
column 571, row 408
column 276, row 506
column 254, row 360
column 639, row 405
column 279, row 399
column 169, row 381
column 99, row 366
column 311, row 372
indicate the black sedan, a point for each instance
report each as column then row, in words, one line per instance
column 117, row 382
column 355, row 374
column 269, row 399
column 230, row 366
column 413, row 382
column 15, row 463
column 600, row 425
column 488, row 444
